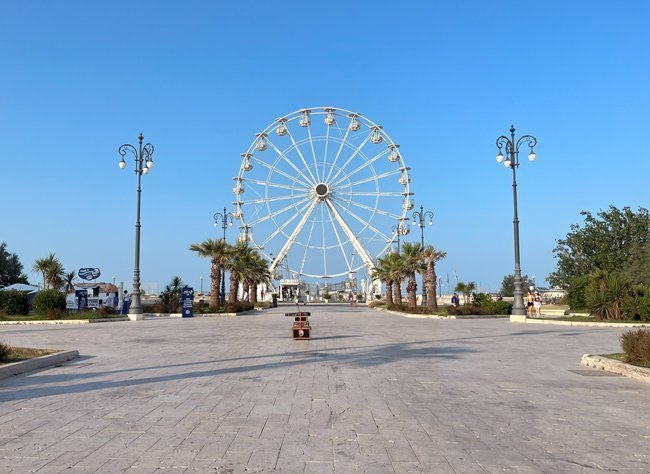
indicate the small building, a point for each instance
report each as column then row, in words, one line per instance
column 91, row 296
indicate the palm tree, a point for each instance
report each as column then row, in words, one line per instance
column 173, row 292
column 430, row 256
column 469, row 289
column 68, row 280
column 238, row 263
column 412, row 258
column 52, row 270
column 258, row 273
column 395, row 267
column 218, row 251
column 382, row 273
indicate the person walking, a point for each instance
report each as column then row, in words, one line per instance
column 537, row 303
column 530, row 299
column 126, row 302
column 454, row 300
column 353, row 299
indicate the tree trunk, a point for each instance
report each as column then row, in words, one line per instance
column 215, row 282
column 431, row 284
column 389, row 293
column 234, row 286
column 246, row 295
column 253, row 289
column 397, row 285
column 411, row 289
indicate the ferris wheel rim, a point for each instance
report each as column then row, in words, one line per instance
column 305, row 178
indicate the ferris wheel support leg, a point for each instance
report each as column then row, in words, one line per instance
column 361, row 251
column 292, row 237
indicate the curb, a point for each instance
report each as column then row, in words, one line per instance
column 63, row 321
column 616, row 366
column 598, row 324
column 435, row 316
column 36, row 363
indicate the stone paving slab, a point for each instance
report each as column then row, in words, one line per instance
column 371, row 392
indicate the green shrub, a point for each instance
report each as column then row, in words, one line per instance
column 106, row 311
column 54, row 313
column 4, row 351
column 576, row 294
column 482, row 300
column 13, row 302
column 49, row 299
column 237, row 307
column 502, row 307
column 636, row 346
column 637, row 305
column 372, row 304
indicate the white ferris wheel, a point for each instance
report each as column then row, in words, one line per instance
column 322, row 192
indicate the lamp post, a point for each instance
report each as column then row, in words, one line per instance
column 201, row 279
column 418, row 220
column 224, row 220
column 512, row 161
column 143, row 164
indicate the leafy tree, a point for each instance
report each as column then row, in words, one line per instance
column 11, row 270
column 429, row 257
column 637, row 268
column 605, row 242
column 412, row 264
column 218, row 251
column 508, row 285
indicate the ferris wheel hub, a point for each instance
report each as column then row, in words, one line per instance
column 322, row 190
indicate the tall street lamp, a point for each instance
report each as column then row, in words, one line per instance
column 418, row 220
column 143, row 164
column 224, row 220
column 512, row 161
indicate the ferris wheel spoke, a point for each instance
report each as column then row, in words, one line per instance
column 304, row 257
column 336, row 233
column 361, row 221
column 371, row 178
column 313, row 152
column 357, row 150
column 371, row 209
column 338, row 153
column 262, row 200
column 291, row 163
column 361, row 251
column 362, row 166
column 286, row 224
column 282, row 173
column 273, row 185
column 327, row 142
column 297, row 148
column 373, row 194
column 294, row 234
column 322, row 220
column 278, row 212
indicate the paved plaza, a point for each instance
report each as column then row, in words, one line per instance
column 371, row 392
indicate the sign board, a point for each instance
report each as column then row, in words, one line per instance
column 82, row 299
column 187, row 302
column 89, row 273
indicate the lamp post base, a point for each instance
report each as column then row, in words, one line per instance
column 136, row 316
column 517, row 318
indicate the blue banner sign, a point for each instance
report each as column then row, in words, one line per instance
column 187, row 300
column 89, row 273
column 82, row 299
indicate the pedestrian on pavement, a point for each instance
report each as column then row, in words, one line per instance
column 353, row 299
column 126, row 302
column 537, row 303
column 454, row 300
column 530, row 300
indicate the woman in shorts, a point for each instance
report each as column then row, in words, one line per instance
column 537, row 303
column 530, row 299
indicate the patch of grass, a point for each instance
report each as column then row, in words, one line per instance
column 589, row 319
column 621, row 357
column 62, row 316
column 16, row 354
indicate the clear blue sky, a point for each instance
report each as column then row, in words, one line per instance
column 200, row 78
